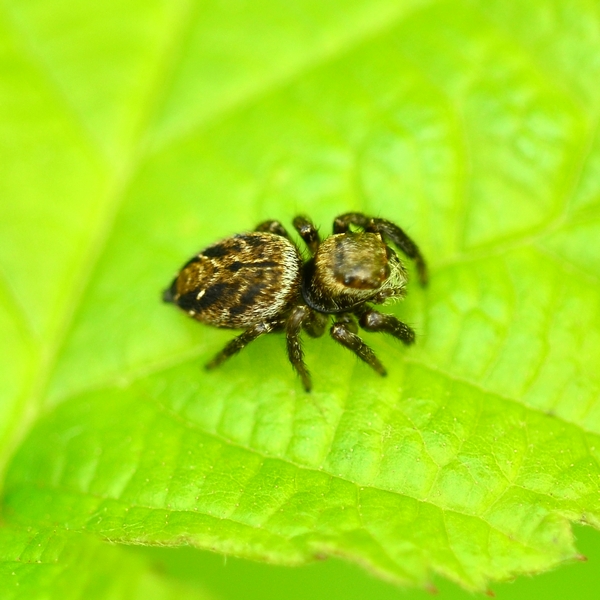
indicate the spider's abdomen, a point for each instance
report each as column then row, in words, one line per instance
column 239, row 281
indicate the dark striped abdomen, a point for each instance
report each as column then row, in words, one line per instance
column 239, row 281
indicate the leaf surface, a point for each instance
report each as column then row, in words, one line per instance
column 476, row 134
column 36, row 565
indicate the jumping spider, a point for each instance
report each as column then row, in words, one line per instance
column 258, row 282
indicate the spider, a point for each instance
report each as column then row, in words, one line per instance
column 259, row 282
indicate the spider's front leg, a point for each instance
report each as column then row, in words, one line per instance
column 389, row 231
column 343, row 332
column 372, row 320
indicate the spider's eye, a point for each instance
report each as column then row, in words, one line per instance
column 364, row 278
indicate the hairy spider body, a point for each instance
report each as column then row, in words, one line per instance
column 350, row 269
column 239, row 281
column 258, row 282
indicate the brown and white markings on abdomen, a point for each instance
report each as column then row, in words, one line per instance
column 239, row 281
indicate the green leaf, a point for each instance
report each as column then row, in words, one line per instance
column 49, row 564
column 472, row 125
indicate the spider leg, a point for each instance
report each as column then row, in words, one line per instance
column 342, row 223
column 348, row 320
column 371, row 320
column 240, row 342
column 293, row 328
column 389, row 231
column 272, row 226
column 308, row 232
column 341, row 333
column 315, row 323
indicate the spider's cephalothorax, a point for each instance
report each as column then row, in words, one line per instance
column 258, row 282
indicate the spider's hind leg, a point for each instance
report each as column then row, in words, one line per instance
column 308, row 232
column 240, row 342
column 272, row 226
